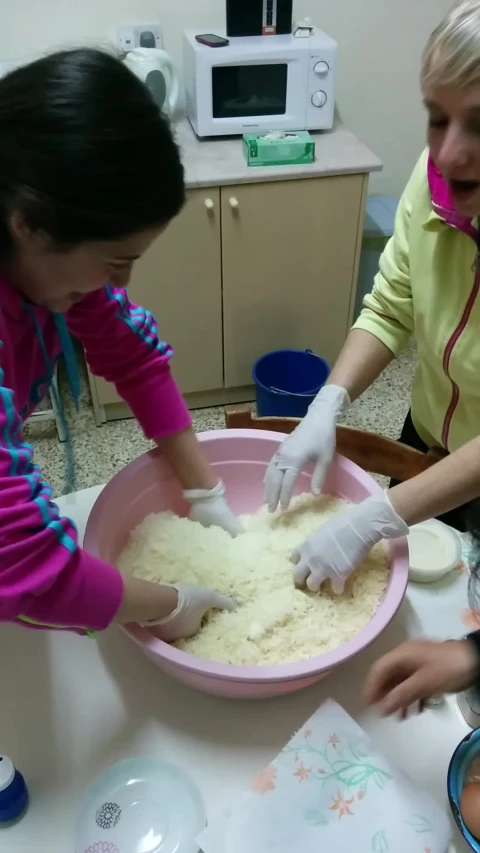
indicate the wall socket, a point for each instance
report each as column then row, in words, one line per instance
column 139, row 35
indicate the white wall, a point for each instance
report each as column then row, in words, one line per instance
column 380, row 46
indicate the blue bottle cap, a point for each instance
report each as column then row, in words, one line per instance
column 13, row 791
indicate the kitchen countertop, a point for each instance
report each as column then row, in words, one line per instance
column 219, row 162
column 71, row 706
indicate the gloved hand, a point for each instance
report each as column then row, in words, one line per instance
column 210, row 509
column 342, row 543
column 193, row 603
column 313, row 440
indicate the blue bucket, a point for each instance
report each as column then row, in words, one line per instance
column 287, row 381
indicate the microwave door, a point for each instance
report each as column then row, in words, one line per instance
column 249, row 91
column 252, row 95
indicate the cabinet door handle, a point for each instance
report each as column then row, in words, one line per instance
column 209, row 204
column 234, row 203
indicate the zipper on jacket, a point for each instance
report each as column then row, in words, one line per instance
column 451, row 346
column 476, row 262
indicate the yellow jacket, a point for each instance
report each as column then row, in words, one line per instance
column 428, row 286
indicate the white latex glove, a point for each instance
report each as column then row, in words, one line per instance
column 313, row 440
column 335, row 550
column 210, row 509
column 193, row 603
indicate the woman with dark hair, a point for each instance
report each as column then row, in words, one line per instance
column 89, row 176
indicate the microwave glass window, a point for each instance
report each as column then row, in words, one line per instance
column 249, row 90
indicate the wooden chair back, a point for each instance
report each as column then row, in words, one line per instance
column 372, row 452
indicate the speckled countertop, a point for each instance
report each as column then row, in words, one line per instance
column 221, row 162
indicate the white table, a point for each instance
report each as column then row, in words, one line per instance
column 70, row 706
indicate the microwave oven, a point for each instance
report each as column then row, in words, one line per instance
column 260, row 83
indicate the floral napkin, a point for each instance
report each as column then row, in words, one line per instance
column 329, row 790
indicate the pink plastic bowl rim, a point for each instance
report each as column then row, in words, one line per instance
column 387, row 609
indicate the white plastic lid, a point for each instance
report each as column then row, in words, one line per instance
column 7, row 772
column 435, row 550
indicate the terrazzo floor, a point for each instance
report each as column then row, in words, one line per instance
column 102, row 451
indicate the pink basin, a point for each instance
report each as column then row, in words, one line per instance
column 240, row 458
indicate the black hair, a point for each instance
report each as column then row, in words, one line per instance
column 85, row 153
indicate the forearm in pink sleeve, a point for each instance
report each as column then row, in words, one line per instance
column 122, row 346
column 44, row 576
column 47, row 578
column 86, row 595
column 158, row 405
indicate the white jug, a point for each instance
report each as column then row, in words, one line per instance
column 156, row 69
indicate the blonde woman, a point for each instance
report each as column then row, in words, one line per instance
column 428, row 285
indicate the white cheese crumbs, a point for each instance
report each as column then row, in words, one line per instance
column 274, row 622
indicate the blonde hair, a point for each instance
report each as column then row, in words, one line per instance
column 452, row 53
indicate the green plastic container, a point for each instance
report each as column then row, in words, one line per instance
column 275, row 149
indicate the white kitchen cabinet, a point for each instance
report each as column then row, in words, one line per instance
column 245, row 269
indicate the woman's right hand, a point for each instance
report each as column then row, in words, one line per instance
column 419, row 670
column 313, row 440
column 194, row 602
column 173, row 612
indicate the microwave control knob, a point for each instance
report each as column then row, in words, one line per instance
column 319, row 99
column 322, row 68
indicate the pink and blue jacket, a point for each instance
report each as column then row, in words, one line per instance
column 46, row 579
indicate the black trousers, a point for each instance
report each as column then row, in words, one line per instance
column 461, row 518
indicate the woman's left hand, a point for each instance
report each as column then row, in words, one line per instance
column 210, row 509
column 419, row 670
